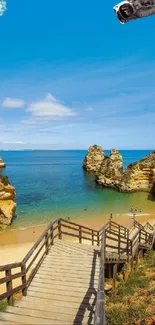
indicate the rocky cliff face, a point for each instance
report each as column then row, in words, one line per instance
column 7, row 205
column 110, row 171
column 93, row 158
column 139, row 176
column 2, row 164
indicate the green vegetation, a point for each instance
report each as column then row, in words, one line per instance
column 3, row 305
column 134, row 301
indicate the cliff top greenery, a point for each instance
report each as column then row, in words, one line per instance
column 134, row 301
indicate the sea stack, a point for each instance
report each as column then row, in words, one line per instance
column 93, row 158
column 111, row 170
column 137, row 177
column 2, row 164
column 140, row 176
column 7, row 205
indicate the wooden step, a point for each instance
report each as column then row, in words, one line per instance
column 60, row 304
column 72, row 292
column 64, row 278
column 65, row 285
column 34, row 305
column 56, row 316
column 21, row 319
column 73, row 271
column 59, row 297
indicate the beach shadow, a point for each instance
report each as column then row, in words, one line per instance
column 86, row 304
column 151, row 196
column 14, row 217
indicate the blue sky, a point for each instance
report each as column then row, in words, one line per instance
column 71, row 75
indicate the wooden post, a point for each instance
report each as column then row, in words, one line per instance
column 140, row 236
column 136, row 260
column 46, row 242
column 110, row 225
column 24, row 290
column 80, row 234
column 114, row 278
column 93, row 237
column 131, row 263
column 99, row 318
column 128, row 245
column 98, row 238
column 51, row 230
column 59, row 230
column 119, row 242
column 9, row 287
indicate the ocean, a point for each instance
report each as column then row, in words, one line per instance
column 53, row 184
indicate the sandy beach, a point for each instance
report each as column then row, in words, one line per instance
column 23, row 239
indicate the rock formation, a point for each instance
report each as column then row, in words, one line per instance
column 7, row 205
column 93, row 158
column 138, row 176
column 2, row 164
column 111, row 170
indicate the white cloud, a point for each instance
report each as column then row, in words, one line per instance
column 2, row 7
column 13, row 103
column 49, row 108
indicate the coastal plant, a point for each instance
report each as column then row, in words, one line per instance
column 3, row 305
column 133, row 303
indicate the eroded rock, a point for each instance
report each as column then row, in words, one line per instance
column 7, row 205
column 139, row 176
column 93, row 158
column 110, row 171
column 2, row 164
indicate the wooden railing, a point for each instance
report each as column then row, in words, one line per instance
column 99, row 318
column 73, row 229
column 116, row 239
column 25, row 271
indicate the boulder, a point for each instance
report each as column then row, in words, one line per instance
column 111, row 170
column 7, row 205
column 7, row 211
column 93, row 158
column 2, row 164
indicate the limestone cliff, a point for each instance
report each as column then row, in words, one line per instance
column 93, row 158
column 139, row 176
column 110, row 171
column 7, row 205
column 2, row 164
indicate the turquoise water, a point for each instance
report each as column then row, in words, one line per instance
column 50, row 184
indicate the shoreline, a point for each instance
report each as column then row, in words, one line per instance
column 29, row 234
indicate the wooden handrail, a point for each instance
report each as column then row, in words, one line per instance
column 76, row 224
column 29, row 254
column 56, row 229
column 99, row 318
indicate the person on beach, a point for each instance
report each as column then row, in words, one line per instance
column 131, row 210
column 111, row 216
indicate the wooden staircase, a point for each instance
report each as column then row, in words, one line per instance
column 62, row 280
column 64, row 289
